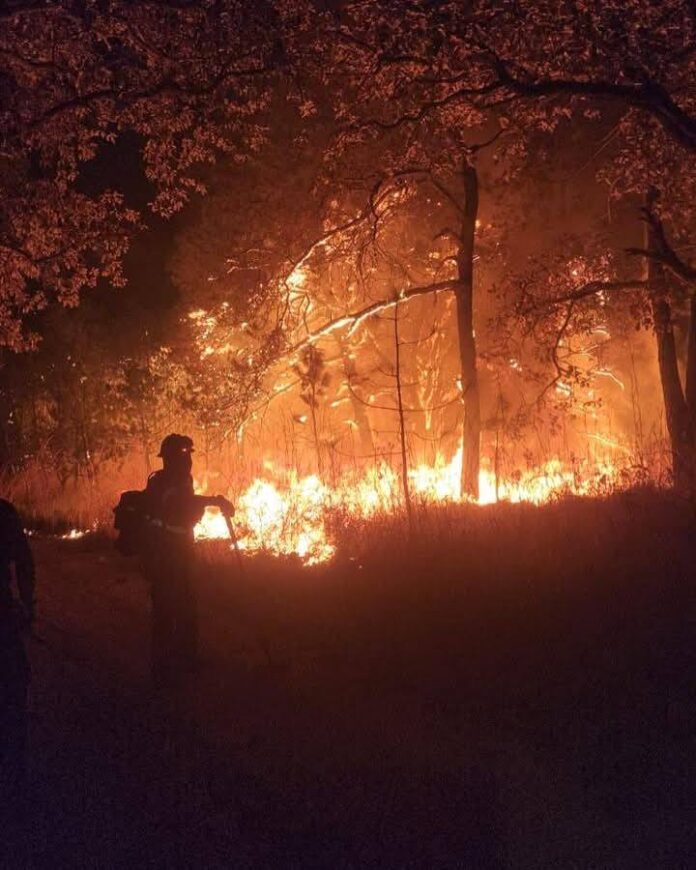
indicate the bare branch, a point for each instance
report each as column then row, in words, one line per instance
column 427, row 173
column 446, row 404
column 353, row 320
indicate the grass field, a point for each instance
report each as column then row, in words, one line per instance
column 511, row 688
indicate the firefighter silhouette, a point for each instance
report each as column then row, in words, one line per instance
column 168, row 559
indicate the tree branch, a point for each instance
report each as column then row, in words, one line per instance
column 664, row 253
column 168, row 86
column 591, row 289
column 648, row 95
column 416, row 117
column 354, row 319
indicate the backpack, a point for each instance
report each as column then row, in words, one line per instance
column 130, row 521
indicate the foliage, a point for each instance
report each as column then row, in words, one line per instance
column 190, row 79
column 313, row 377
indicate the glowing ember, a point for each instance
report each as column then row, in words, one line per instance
column 290, row 517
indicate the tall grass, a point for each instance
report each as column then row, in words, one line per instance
column 84, row 501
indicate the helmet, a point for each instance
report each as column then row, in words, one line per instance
column 174, row 444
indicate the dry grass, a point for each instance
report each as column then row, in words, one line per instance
column 545, row 651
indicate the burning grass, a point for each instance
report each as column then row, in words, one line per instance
column 307, row 518
column 509, row 540
column 285, row 514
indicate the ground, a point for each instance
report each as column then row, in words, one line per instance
column 514, row 689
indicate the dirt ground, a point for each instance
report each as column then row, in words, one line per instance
column 414, row 711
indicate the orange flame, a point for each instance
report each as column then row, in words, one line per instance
column 290, row 517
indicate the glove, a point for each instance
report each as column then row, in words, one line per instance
column 225, row 505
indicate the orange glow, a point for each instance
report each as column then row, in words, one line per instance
column 288, row 515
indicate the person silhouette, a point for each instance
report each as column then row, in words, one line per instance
column 16, row 616
column 173, row 509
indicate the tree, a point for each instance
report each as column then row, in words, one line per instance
column 534, row 64
column 636, row 65
column 189, row 80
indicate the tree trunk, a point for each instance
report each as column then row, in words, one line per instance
column 471, row 432
column 315, row 429
column 676, row 409
column 402, row 422
column 144, row 442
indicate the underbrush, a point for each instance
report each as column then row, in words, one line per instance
column 504, row 537
column 507, row 567
column 48, row 505
column 496, row 531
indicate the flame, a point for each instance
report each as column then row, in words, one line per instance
column 288, row 515
column 74, row 535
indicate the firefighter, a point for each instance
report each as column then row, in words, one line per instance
column 16, row 616
column 172, row 513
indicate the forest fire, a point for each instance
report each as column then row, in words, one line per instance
column 288, row 516
column 347, row 433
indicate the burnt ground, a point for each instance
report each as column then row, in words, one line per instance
column 515, row 691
